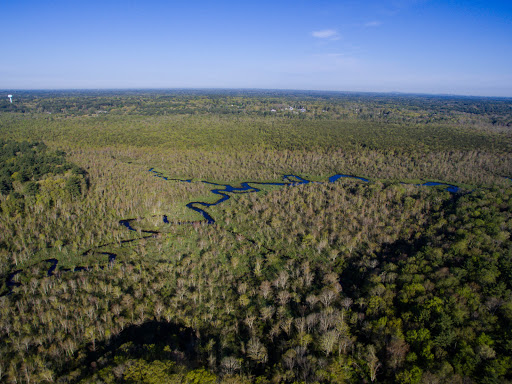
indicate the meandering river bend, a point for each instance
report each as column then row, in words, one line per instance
column 222, row 190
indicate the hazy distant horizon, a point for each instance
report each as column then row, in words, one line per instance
column 382, row 46
column 256, row 90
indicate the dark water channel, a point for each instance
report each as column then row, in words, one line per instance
column 222, row 190
column 246, row 187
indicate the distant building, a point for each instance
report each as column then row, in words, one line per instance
column 273, row 110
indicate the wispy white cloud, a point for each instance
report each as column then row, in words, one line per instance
column 373, row 24
column 329, row 34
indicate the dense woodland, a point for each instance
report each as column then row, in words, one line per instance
column 343, row 282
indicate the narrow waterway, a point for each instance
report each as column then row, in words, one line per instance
column 223, row 191
column 248, row 187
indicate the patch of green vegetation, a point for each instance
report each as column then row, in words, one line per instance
column 322, row 282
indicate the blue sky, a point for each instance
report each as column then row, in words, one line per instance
column 420, row 46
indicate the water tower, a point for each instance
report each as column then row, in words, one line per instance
column 10, row 98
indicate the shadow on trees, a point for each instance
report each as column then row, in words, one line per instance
column 152, row 340
column 355, row 273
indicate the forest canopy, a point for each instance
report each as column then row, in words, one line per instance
column 397, row 270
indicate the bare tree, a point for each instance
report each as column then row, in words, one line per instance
column 372, row 361
column 265, row 289
column 257, row 351
column 230, row 365
column 328, row 341
column 327, row 297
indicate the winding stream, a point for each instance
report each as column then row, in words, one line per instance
column 222, row 190
column 245, row 187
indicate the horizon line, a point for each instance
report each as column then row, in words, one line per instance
column 392, row 93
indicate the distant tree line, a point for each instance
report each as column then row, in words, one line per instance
column 317, row 105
